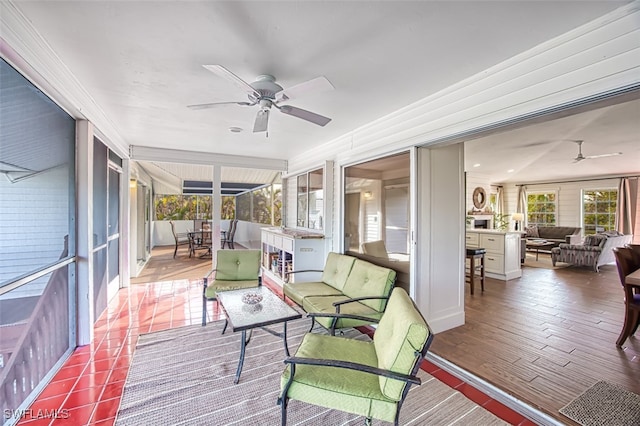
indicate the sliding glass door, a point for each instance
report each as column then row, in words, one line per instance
column 377, row 213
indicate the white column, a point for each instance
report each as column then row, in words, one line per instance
column 216, row 205
column 128, row 237
column 84, row 276
column 439, row 289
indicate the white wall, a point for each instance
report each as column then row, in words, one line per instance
column 569, row 197
column 439, row 281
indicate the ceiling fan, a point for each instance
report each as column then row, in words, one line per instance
column 266, row 93
column 581, row 157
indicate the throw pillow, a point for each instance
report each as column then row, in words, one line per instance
column 594, row 240
column 532, row 231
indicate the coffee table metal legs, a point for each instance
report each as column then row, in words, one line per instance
column 284, row 339
column 245, row 341
column 243, row 344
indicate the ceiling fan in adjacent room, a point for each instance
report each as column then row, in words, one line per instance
column 581, row 157
column 266, row 93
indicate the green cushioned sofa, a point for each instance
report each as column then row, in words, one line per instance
column 367, row 378
column 348, row 286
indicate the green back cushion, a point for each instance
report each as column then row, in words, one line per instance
column 367, row 279
column 237, row 264
column 337, row 269
column 401, row 332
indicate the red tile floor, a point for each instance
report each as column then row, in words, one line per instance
column 87, row 390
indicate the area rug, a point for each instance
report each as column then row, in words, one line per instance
column 184, row 376
column 604, row 404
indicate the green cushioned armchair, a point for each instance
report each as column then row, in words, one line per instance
column 370, row 379
column 235, row 269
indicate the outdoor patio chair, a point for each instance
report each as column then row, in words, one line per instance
column 625, row 261
column 180, row 239
column 375, row 248
column 228, row 237
column 367, row 378
column 234, row 270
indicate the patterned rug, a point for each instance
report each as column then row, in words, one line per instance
column 604, row 404
column 184, row 376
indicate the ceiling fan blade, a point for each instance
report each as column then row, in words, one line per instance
column 316, row 85
column 218, row 104
column 304, row 114
column 612, row 154
column 221, row 71
column 262, row 121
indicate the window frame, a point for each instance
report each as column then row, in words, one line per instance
column 305, row 190
column 611, row 214
column 531, row 212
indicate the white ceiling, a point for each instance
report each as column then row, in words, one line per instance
column 546, row 151
column 141, row 62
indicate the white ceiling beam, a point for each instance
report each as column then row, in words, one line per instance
column 146, row 153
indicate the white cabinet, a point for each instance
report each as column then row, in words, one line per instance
column 291, row 250
column 502, row 260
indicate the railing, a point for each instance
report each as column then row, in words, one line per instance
column 38, row 343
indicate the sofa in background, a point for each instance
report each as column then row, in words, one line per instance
column 555, row 234
column 353, row 287
column 597, row 250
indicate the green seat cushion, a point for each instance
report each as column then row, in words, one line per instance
column 336, row 269
column 324, row 304
column 401, row 333
column 338, row 388
column 223, row 285
column 240, row 265
column 299, row 291
column 367, row 279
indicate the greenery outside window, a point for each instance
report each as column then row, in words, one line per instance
column 262, row 205
column 183, row 207
column 243, row 206
column 228, row 207
column 599, row 210
column 542, row 208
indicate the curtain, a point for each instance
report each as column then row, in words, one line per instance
column 500, row 200
column 522, row 203
column 627, row 207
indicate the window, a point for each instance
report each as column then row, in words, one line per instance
column 542, row 208
column 228, row 207
column 243, row 207
column 261, row 205
column 310, row 200
column 37, row 230
column 183, row 207
column 599, row 210
column 377, row 208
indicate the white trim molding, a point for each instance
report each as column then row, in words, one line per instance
column 146, row 153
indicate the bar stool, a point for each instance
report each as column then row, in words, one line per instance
column 474, row 254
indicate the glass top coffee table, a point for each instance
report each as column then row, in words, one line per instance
column 243, row 316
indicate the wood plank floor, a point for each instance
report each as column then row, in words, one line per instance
column 545, row 337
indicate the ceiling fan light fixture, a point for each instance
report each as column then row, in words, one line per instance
column 581, row 157
column 266, row 93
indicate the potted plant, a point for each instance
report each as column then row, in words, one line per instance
column 500, row 221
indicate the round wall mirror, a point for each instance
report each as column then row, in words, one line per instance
column 479, row 198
